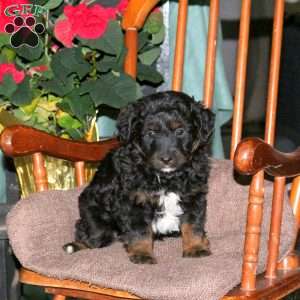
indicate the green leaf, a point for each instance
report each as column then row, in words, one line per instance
column 158, row 37
column 31, row 53
column 51, row 4
column 150, row 56
column 107, row 64
column 80, row 106
column 38, row 2
column 154, row 23
column 86, row 87
column 115, row 91
column 148, row 73
column 23, row 94
column 4, row 39
column 75, row 133
column 8, row 119
column 8, row 54
column 58, row 87
column 110, row 42
column 20, row 115
column 112, row 63
column 7, row 86
column 64, row 120
column 143, row 39
column 68, row 61
column 44, row 60
column 30, row 108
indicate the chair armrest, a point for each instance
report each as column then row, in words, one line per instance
column 20, row 140
column 253, row 155
column 137, row 12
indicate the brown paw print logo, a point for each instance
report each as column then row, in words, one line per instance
column 24, row 32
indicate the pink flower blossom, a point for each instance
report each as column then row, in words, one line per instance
column 3, row 5
column 17, row 76
column 54, row 48
column 122, row 6
column 82, row 21
column 85, row 22
column 64, row 32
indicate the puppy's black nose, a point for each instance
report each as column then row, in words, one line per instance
column 166, row 159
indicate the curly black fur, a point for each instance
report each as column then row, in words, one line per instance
column 164, row 147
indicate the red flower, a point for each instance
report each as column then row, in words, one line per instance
column 82, row 21
column 64, row 32
column 118, row 9
column 122, row 6
column 3, row 5
column 88, row 22
column 85, row 22
column 17, row 76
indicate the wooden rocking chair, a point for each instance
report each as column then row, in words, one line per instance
column 251, row 156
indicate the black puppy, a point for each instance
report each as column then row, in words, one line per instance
column 155, row 183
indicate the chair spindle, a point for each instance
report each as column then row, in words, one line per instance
column 79, row 173
column 210, row 65
column 255, row 205
column 180, row 45
column 39, row 172
column 279, row 183
column 295, row 198
column 253, row 231
column 241, row 72
column 275, row 227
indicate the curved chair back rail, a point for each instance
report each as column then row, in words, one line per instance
column 253, row 155
column 20, row 140
column 136, row 13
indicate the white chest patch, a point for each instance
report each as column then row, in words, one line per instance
column 167, row 220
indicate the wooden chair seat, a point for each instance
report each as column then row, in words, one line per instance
column 37, row 240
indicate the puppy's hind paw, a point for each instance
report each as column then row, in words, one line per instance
column 70, row 248
column 196, row 252
column 142, row 259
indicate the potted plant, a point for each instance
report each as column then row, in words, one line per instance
column 61, row 65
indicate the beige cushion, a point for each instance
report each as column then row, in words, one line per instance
column 40, row 225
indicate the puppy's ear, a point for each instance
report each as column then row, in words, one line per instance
column 126, row 122
column 203, row 120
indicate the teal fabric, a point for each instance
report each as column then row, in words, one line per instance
column 3, row 197
column 195, row 52
column 106, row 126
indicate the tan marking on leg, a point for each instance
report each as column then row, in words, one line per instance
column 193, row 245
column 141, row 251
column 140, row 246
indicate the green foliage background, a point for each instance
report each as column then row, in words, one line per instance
column 65, row 99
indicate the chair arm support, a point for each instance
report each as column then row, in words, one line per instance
column 19, row 140
column 136, row 13
column 253, row 155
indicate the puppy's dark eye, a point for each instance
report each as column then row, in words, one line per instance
column 179, row 131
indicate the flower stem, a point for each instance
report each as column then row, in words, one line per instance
column 90, row 132
column 46, row 34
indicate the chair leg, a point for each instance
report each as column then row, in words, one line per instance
column 59, row 297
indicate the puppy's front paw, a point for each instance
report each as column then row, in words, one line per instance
column 196, row 252
column 142, row 259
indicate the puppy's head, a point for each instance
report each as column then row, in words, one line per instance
column 167, row 128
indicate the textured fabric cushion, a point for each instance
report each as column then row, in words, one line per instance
column 40, row 225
